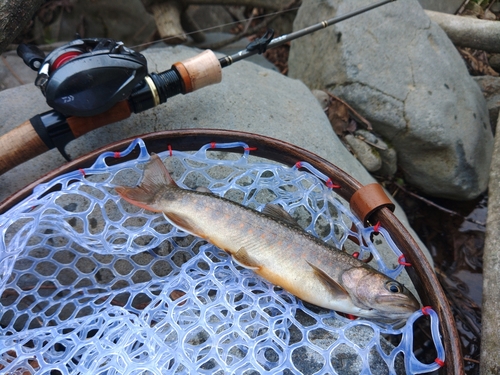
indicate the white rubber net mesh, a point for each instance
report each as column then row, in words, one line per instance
column 90, row 284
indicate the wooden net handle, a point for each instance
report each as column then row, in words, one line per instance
column 19, row 145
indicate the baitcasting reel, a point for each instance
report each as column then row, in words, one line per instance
column 87, row 76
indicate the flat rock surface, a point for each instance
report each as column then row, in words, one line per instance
column 400, row 71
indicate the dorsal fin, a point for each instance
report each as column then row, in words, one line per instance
column 278, row 212
column 156, row 174
column 155, row 178
column 334, row 286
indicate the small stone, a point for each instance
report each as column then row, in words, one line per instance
column 387, row 153
column 322, row 97
column 366, row 154
column 489, row 15
column 494, row 61
column 473, row 9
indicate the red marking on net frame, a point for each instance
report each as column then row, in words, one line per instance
column 403, row 262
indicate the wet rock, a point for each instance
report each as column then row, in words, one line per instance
column 401, row 72
column 494, row 61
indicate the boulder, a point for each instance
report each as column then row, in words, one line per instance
column 402, row 73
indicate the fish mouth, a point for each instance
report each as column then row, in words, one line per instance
column 391, row 319
column 392, row 324
column 400, row 307
column 394, row 315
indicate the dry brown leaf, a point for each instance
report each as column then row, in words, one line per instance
column 353, row 113
column 477, row 62
column 343, row 117
column 338, row 114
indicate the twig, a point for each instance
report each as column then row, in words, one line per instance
column 461, row 9
column 249, row 22
column 352, row 111
column 490, row 5
column 431, row 203
column 469, row 359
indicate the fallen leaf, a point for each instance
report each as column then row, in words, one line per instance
column 338, row 114
column 354, row 115
column 477, row 62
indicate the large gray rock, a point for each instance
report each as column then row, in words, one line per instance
column 402, row 73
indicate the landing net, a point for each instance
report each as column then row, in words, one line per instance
column 90, row 284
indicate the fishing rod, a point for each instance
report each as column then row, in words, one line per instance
column 93, row 82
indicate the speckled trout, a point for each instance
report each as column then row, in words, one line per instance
column 274, row 246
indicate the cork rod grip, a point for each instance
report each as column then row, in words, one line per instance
column 19, row 145
column 199, row 71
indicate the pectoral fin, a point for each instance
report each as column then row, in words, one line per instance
column 276, row 211
column 185, row 224
column 333, row 285
column 204, row 189
column 244, row 259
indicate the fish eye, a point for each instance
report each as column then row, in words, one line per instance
column 393, row 287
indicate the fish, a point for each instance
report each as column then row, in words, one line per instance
column 274, row 246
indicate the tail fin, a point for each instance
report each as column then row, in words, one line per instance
column 155, row 178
